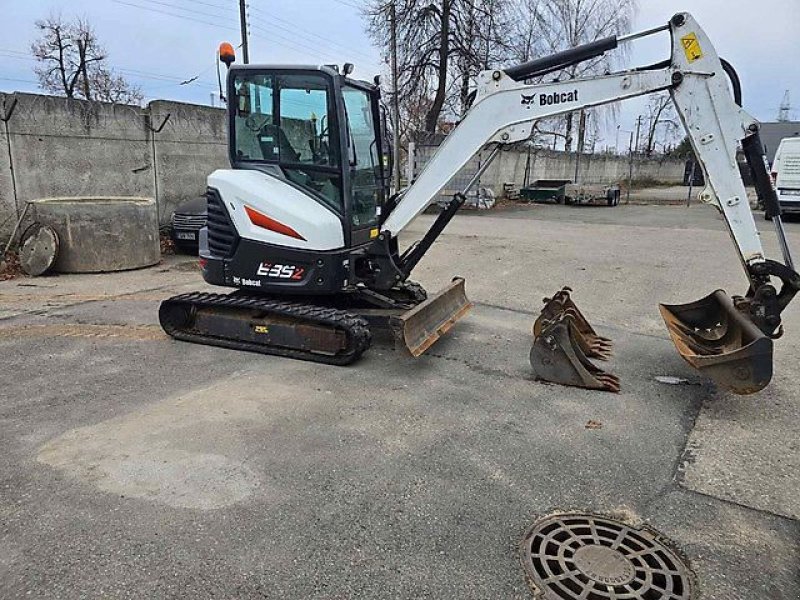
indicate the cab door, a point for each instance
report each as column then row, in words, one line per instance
column 365, row 164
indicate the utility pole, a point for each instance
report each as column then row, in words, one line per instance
column 243, row 25
column 638, row 125
column 630, row 169
column 395, row 100
column 581, row 142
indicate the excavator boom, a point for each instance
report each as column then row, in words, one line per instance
column 706, row 93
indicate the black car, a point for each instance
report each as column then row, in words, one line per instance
column 187, row 221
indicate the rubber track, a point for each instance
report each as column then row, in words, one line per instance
column 355, row 327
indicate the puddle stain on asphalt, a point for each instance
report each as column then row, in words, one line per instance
column 185, row 452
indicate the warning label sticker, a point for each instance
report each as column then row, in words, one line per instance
column 691, row 47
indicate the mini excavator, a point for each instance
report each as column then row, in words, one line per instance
column 304, row 226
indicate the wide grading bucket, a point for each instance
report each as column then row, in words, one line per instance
column 721, row 342
column 419, row 328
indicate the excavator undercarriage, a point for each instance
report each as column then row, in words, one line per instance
column 330, row 330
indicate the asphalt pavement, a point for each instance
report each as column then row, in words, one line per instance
column 134, row 466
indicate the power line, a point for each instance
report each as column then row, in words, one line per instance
column 286, row 43
column 263, row 21
column 163, row 12
column 188, row 10
column 213, row 5
column 178, row 80
column 19, row 80
column 270, row 37
column 295, row 45
column 17, row 55
column 351, row 5
column 308, row 34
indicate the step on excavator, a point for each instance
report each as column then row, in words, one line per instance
column 304, row 227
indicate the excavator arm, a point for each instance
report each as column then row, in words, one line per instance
column 714, row 334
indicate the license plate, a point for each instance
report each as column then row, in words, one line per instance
column 186, row 236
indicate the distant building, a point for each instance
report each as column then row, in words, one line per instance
column 773, row 133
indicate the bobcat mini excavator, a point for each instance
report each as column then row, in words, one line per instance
column 303, row 224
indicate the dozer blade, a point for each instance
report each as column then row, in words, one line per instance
column 593, row 345
column 556, row 356
column 419, row 328
column 719, row 340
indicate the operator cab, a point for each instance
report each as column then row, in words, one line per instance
column 320, row 131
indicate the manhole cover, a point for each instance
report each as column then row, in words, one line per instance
column 586, row 557
column 38, row 249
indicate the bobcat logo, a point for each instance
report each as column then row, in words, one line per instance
column 528, row 100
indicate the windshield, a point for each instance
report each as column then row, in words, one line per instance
column 285, row 119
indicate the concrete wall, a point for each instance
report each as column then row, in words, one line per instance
column 63, row 147
column 8, row 206
column 593, row 168
column 509, row 167
column 192, row 144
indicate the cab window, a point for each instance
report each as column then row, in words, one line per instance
column 363, row 157
column 286, row 119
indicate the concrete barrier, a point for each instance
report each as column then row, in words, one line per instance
column 99, row 234
column 68, row 147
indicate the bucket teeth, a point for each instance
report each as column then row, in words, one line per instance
column 593, row 345
column 564, row 341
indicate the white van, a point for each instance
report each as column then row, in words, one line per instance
column 786, row 174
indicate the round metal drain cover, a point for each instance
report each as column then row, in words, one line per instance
column 587, row 557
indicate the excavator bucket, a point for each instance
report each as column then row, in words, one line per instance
column 719, row 340
column 557, row 357
column 593, row 345
column 419, row 328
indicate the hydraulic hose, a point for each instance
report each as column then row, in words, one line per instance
column 735, row 82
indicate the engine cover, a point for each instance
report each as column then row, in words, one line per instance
column 265, row 208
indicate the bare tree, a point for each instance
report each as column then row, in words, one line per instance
column 72, row 62
column 660, row 111
column 479, row 41
column 524, row 32
column 553, row 25
column 442, row 45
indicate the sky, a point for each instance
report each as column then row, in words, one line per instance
column 158, row 44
